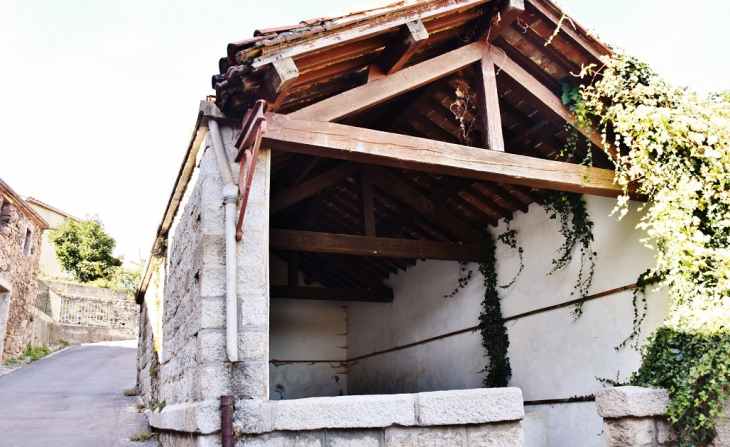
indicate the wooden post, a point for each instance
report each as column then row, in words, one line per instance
column 489, row 117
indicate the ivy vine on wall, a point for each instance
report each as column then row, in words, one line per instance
column 576, row 227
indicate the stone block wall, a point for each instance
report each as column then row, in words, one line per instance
column 482, row 417
column 182, row 351
column 19, row 267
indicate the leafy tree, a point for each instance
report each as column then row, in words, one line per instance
column 84, row 249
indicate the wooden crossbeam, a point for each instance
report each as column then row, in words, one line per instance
column 410, row 37
column 331, row 294
column 288, row 197
column 490, row 121
column 406, row 152
column 277, row 82
column 407, row 194
column 293, row 269
column 346, row 244
column 380, row 90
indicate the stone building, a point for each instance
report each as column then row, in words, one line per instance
column 333, row 317
column 49, row 264
column 20, row 251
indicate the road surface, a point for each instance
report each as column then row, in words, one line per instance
column 73, row 398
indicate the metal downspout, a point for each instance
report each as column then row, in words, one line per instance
column 230, row 198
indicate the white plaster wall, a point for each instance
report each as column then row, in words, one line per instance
column 552, row 356
column 306, row 330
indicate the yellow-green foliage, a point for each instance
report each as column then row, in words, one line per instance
column 674, row 147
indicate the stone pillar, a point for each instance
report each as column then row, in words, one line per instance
column 634, row 416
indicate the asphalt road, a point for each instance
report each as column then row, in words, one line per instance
column 72, row 398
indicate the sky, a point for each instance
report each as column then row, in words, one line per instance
column 98, row 98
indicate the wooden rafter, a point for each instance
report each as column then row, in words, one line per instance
column 346, row 244
column 401, row 190
column 382, row 148
column 410, row 37
column 380, row 90
column 366, row 202
column 288, row 197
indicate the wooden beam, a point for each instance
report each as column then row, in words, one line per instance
column 288, row 197
column 490, row 121
column 366, row 202
column 407, row 194
column 346, row 244
column 548, row 103
column 410, row 37
column 380, row 90
column 331, row 294
column 277, row 82
column 406, row 152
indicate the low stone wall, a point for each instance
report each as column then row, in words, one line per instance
column 634, row 416
column 75, row 334
column 44, row 330
column 479, row 417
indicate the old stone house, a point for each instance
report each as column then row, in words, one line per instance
column 361, row 151
column 20, row 251
column 49, row 264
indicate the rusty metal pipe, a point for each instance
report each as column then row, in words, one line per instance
column 227, row 404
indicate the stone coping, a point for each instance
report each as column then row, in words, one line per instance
column 255, row 416
column 631, row 401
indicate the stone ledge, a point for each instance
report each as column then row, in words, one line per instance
column 475, row 406
column 459, row 407
column 199, row 417
column 631, row 401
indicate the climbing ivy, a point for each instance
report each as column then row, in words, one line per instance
column 576, row 227
column 491, row 326
column 464, row 278
column 645, row 279
column 509, row 238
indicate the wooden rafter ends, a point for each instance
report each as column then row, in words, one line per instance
column 490, row 121
column 278, row 81
column 331, row 294
column 406, row 152
column 346, row 244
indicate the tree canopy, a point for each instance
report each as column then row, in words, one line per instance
column 85, row 249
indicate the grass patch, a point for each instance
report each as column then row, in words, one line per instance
column 143, row 436
column 154, row 405
column 64, row 343
column 12, row 362
column 132, row 392
column 37, row 353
